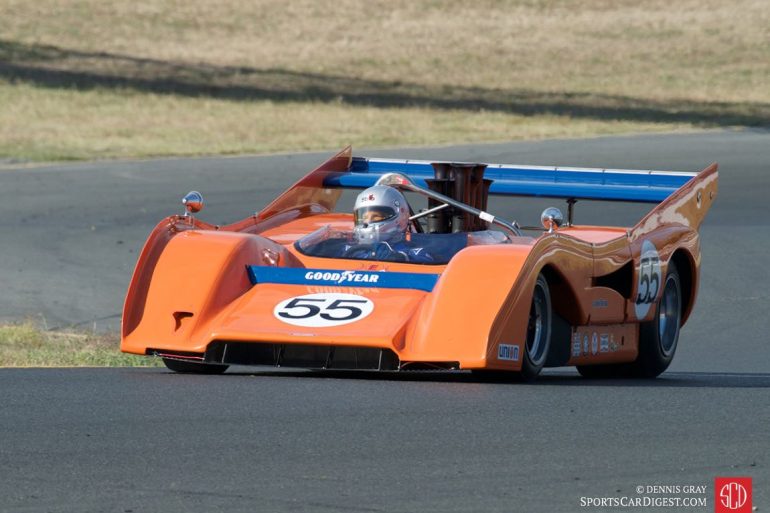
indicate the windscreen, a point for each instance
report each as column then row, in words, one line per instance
column 417, row 248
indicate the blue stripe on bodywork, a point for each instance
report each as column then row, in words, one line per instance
column 341, row 278
column 578, row 183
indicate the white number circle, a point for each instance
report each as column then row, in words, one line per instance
column 649, row 280
column 322, row 310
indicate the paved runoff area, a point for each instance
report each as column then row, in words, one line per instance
column 133, row 440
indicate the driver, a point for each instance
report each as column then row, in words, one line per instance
column 381, row 229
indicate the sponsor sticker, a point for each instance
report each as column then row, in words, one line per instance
column 600, row 303
column 508, row 352
column 342, row 277
column 323, row 310
column 595, row 344
column 604, row 343
column 576, row 345
column 585, row 345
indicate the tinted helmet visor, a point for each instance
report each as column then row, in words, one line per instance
column 374, row 214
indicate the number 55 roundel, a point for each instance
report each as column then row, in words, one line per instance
column 322, row 310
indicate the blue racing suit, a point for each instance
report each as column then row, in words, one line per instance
column 419, row 249
column 401, row 251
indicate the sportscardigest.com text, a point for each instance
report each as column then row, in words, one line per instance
column 643, row 502
column 653, row 496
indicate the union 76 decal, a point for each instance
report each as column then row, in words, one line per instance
column 323, row 310
column 649, row 281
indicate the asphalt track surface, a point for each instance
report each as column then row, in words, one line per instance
column 135, row 440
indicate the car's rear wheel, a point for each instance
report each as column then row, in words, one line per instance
column 659, row 338
column 538, row 330
column 193, row 367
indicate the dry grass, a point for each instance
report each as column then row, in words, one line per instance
column 67, row 124
column 83, row 79
column 25, row 345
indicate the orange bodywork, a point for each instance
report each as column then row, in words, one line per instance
column 190, row 291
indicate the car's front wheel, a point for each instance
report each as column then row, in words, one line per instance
column 538, row 343
column 538, row 330
column 193, row 367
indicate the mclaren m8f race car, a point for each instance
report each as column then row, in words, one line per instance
column 418, row 275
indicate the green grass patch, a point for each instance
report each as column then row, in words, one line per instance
column 26, row 345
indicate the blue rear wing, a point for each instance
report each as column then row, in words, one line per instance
column 549, row 182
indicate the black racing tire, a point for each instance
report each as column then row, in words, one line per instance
column 538, row 343
column 659, row 338
column 539, row 327
column 193, row 367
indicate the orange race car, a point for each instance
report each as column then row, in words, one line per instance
column 447, row 285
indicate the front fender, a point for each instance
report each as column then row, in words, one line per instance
column 194, row 275
column 455, row 320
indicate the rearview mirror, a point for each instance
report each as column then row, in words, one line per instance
column 193, row 202
column 552, row 218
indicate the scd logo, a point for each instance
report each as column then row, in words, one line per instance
column 732, row 495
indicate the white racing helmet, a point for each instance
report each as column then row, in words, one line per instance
column 381, row 214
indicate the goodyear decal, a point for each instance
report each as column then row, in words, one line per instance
column 378, row 279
